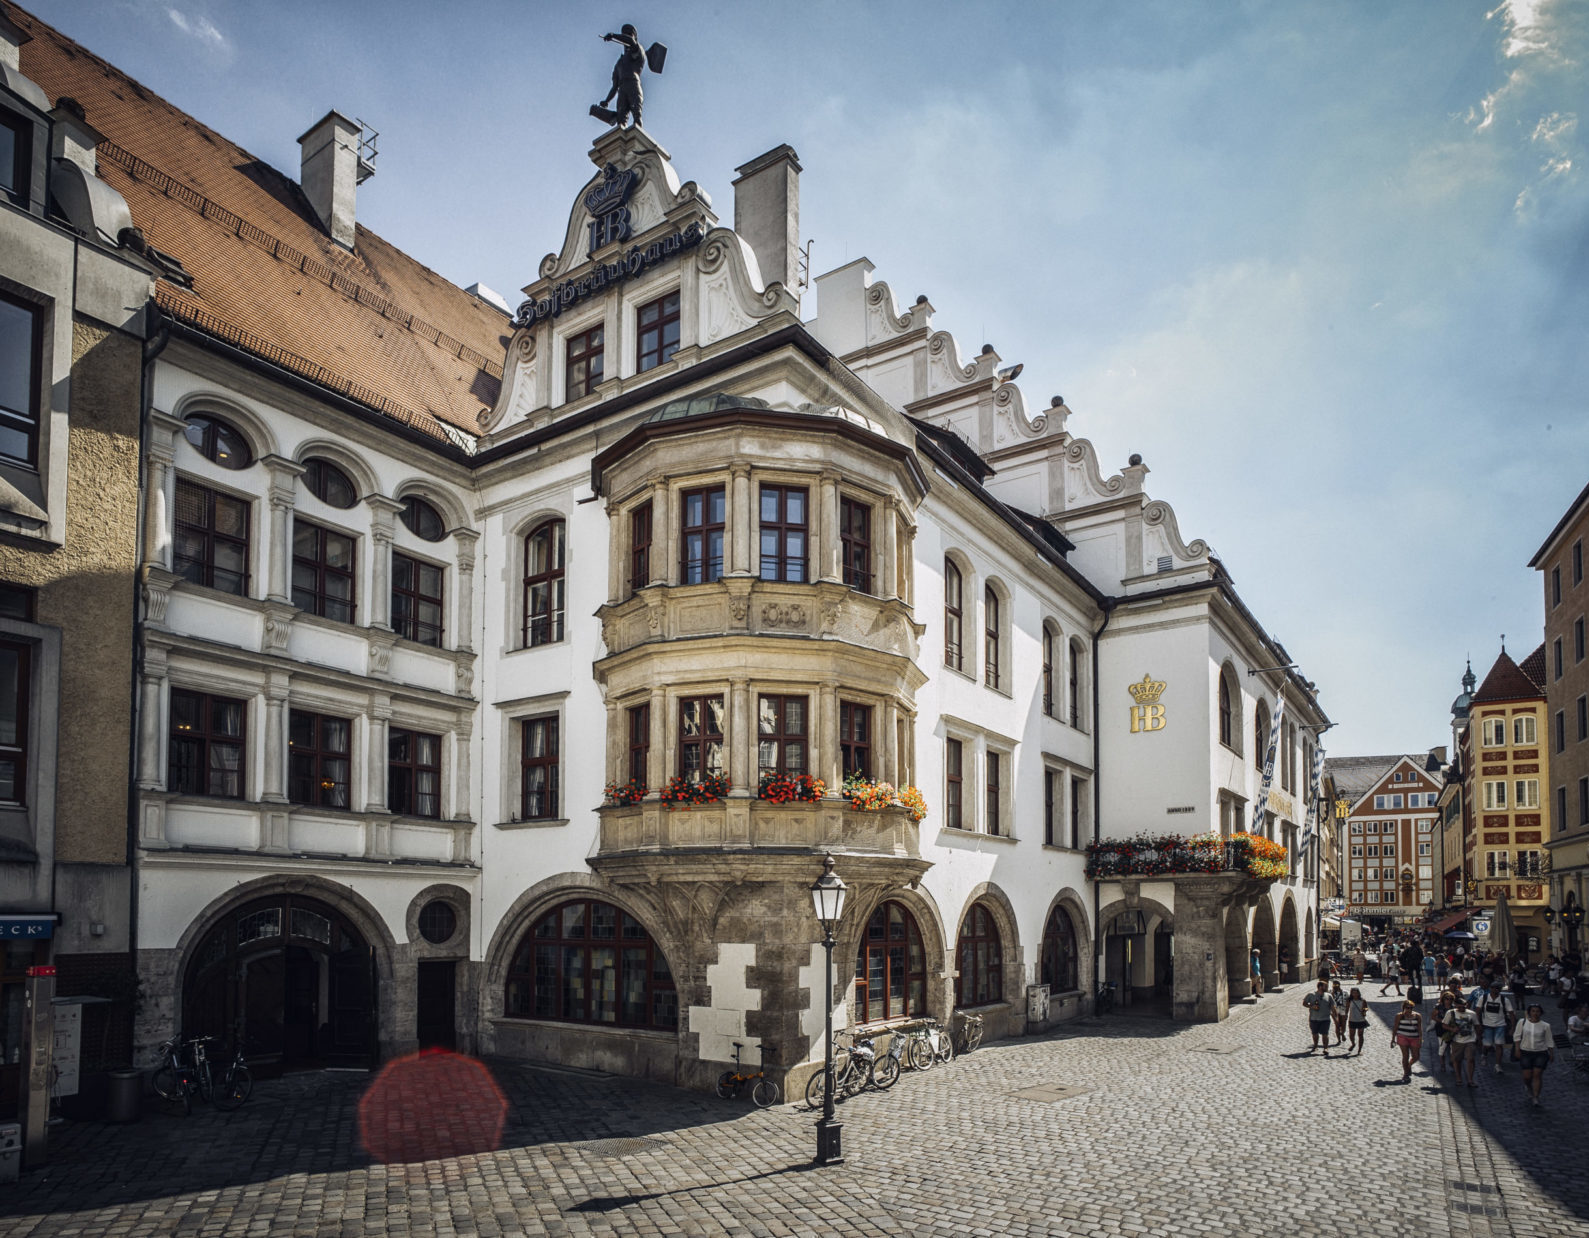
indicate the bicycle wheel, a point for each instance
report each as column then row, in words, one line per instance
column 946, row 1049
column 919, row 1055
column 171, row 1086
column 234, row 1089
column 885, row 1072
column 973, row 1036
column 765, row 1093
column 727, row 1085
column 817, row 1089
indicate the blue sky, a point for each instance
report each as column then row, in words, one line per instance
column 1325, row 265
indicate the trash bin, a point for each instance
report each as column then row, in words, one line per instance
column 10, row 1151
column 126, row 1094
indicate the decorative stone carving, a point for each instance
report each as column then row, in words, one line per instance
column 775, row 615
column 463, row 676
column 157, row 595
column 831, row 610
column 278, row 629
column 739, row 607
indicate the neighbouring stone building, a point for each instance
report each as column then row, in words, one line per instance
column 1560, row 564
column 74, row 280
column 1391, row 834
column 490, row 661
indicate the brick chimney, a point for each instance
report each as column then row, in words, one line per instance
column 767, row 214
column 332, row 172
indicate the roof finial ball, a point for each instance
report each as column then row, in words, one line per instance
column 626, row 78
column 1135, row 460
column 1056, row 401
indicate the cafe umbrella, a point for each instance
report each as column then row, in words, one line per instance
column 1503, row 933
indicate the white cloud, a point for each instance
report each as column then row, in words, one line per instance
column 201, row 28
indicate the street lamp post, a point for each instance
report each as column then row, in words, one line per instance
column 827, row 895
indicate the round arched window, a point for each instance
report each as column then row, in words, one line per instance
column 437, row 922
column 215, row 440
column 329, row 484
column 591, row 962
column 1059, row 962
column 543, row 584
column 980, row 958
column 890, row 967
column 422, row 519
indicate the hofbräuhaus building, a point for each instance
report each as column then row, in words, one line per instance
column 502, row 671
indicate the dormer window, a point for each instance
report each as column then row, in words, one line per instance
column 585, row 352
column 218, row 442
column 659, row 332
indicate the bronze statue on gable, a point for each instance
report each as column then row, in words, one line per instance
column 626, row 77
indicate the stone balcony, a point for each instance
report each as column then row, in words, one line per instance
column 746, row 824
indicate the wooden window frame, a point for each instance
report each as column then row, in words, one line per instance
column 781, row 738
column 1073, row 689
column 782, row 533
column 208, row 445
column 315, row 599
column 320, row 475
column 638, row 720
column 954, row 655
column 993, row 791
column 1050, row 802
column 705, row 738
column 17, row 754
column 855, row 739
column 201, row 571
column 855, row 543
column 1048, row 671
column 319, row 757
column 641, row 532
column 954, row 783
column 549, row 625
column 415, row 515
column 1060, row 968
column 1078, row 795
column 204, row 739
column 992, row 636
column 980, row 981
column 705, row 567
column 913, row 978
column 413, row 770
column 652, row 348
column 527, row 983
column 550, row 760
column 411, row 626
column 581, row 350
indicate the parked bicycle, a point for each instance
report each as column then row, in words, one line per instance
column 188, row 1072
column 855, row 1067
column 1106, row 998
column 929, row 1045
column 762, row 1090
column 969, row 1028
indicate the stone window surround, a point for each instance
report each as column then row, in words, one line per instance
column 37, row 512
column 739, row 730
column 1066, row 770
column 1004, row 649
column 565, row 328
column 511, row 741
column 742, row 482
column 976, row 742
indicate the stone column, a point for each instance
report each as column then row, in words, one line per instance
column 151, row 715
column 825, row 735
column 463, row 633
column 459, row 808
column 741, row 519
column 283, row 499
column 886, row 584
column 160, row 486
column 742, row 768
column 378, row 606
column 1202, row 981
column 664, row 538
column 277, row 694
column 616, row 740
column 827, row 529
column 670, row 521
column 885, row 737
column 906, row 538
column 656, row 771
column 375, row 753
column 620, row 537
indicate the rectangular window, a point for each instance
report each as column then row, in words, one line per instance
column 700, row 737
column 1561, row 730
column 1583, row 718
column 1527, row 793
column 1357, row 827
column 639, row 744
column 1556, row 658
column 318, row 767
column 1577, row 639
column 1050, row 807
column 1078, row 797
column 1555, row 586
column 1561, row 809
column 781, row 735
column 416, row 600
column 640, row 546
column 1373, row 850
column 322, row 571
column 783, row 533
column 1357, row 851
column 953, row 755
column 539, row 769
column 1495, row 795
column 21, row 364
column 1379, row 801
column 1395, row 801
column 855, row 544
column 701, row 551
column 16, row 163
column 413, row 773
column 584, row 357
column 995, row 774
column 16, row 661
column 1525, row 730
column 1583, row 801
column 990, row 638
column 1497, row 863
column 1494, row 732
column 855, row 739
column 1425, row 848
column 211, row 538
column 1577, row 563
column 1527, row 864
column 206, row 749
column 659, row 332
column 18, row 602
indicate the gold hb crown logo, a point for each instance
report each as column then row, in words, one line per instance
column 1148, row 691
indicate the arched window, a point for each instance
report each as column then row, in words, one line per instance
column 1227, row 727
column 1073, row 687
column 890, row 967
column 953, row 617
column 1060, row 956
column 422, row 520
column 218, row 441
column 591, row 962
column 329, row 484
column 979, row 956
column 990, row 637
column 1048, row 670
column 1260, row 735
column 543, row 584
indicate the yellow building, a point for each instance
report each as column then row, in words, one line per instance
column 1505, row 773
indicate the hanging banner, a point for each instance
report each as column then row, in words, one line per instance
column 1261, row 805
column 1313, row 795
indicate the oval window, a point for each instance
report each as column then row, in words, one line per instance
column 423, row 520
column 329, row 484
column 215, row 440
column 437, row 922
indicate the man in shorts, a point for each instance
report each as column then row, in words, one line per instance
column 1463, row 1025
column 1359, row 963
column 1319, row 1003
column 1495, row 1010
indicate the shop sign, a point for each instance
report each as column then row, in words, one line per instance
column 36, row 928
column 1147, row 714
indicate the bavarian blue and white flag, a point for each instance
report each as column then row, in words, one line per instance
column 1260, row 805
column 1313, row 796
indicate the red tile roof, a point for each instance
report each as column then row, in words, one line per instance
column 1507, row 681
column 373, row 324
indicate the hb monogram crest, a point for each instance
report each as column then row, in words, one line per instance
column 1147, row 714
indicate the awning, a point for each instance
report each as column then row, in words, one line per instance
column 1446, row 922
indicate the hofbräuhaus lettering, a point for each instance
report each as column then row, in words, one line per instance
column 639, row 258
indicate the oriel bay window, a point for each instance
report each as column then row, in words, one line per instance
column 783, row 533
column 701, row 547
column 658, row 323
column 855, row 544
column 413, row 773
column 700, row 737
column 855, row 739
column 544, row 584
column 590, row 962
column 322, row 571
column 211, row 538
column 781, row 735
column 890, row 967
column 206, row 748
column 584, row 362
column 539, row 769
column 318, row 768
column 416, row 600
column 979, row 957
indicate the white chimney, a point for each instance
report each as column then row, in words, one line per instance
column 71, row 136
column 333, row 169
column 767, row 214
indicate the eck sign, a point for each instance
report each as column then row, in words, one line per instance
column 35, row 928
column 1147, row 714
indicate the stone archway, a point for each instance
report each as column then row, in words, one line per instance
column 1012, row 966
column 1265, row 941
column 1238, row 960
column 1290, row 941
column 1130, row 958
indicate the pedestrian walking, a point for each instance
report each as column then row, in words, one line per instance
column 1462, row 1048
column 1392, row 973
column 1535, row 1046
column 1356, row 1020
column 1407, row 1031
column 1578, row 1024
column 1429, row 981
column 1442, row 1033
column 1495, row 1011
column 1338, row 1010
column 1318, row 1003
column 1359, row 963
column 1257, row 973
column 1442, row 969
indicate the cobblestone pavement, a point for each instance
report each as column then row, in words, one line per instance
column 1176, row 1130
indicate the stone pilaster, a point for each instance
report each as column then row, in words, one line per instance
column 283, row 501
column 151, row 717
column 383, row 514
column 160, row 489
